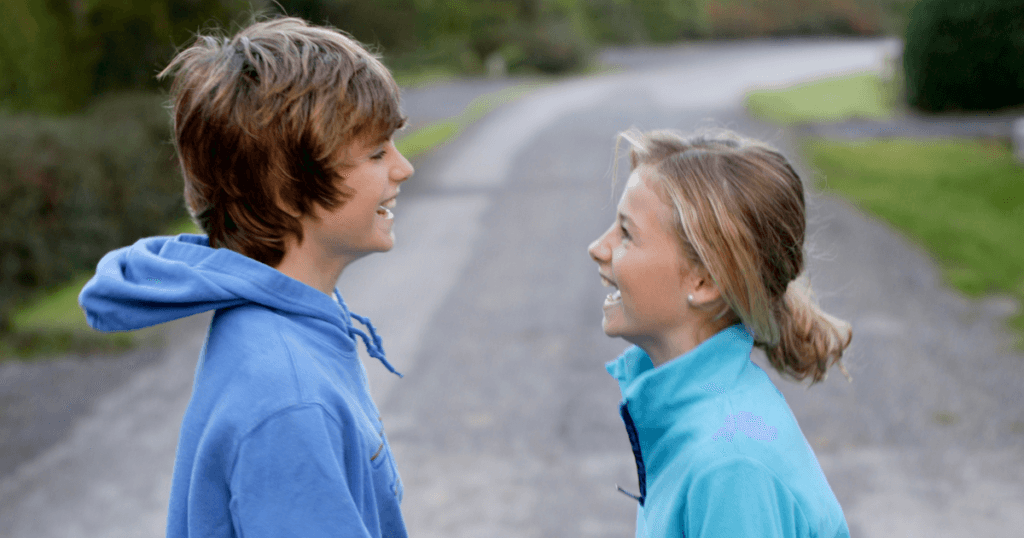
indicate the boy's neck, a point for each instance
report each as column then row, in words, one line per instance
column 314, row 269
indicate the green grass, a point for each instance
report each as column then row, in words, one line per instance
column 439, row 133
column 408, row 78
column 963, row 200
column 835, row 99
column 56, row 311
column 54, row 323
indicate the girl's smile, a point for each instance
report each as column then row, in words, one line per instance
column 641, row 258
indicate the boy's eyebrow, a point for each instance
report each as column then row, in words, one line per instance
column 373, row 149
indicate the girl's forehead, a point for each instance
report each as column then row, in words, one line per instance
column 628, row 190
column 640, row 186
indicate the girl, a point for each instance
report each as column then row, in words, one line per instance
column 703, row 258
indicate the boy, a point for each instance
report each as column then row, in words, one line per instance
column 284, row 134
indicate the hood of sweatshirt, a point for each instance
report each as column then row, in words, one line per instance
column 160, row 279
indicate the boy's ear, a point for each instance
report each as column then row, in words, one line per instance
column 285, row 206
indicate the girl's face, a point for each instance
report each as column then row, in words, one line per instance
column 640, row 258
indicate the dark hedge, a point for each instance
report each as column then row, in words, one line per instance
column 965, row 55
column 75, row 187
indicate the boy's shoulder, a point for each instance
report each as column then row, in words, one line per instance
column 262, row 361
column 259, row 330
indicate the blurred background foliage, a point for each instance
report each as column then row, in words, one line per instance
column 58, row 55
column 86, row 163
column 962, row 56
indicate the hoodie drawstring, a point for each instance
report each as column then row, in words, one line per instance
column 374, row 347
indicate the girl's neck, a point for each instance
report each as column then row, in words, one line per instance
column 680, row 342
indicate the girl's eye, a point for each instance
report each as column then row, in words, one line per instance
column 625, row 233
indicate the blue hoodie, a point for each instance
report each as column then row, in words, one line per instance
column 719, row 454
column 280, row 437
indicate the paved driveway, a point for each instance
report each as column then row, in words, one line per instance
column 506, row 423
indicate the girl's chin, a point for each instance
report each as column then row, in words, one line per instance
column 610, row 328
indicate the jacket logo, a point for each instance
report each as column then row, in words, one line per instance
column 748, row 423
column 711, row 386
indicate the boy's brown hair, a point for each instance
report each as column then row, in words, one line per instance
column 262, row 125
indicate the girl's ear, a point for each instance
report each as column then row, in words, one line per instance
column 703, row 290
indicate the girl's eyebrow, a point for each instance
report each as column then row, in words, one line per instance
column 623, row 218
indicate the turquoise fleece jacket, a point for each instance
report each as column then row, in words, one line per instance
column 280, row 437
column 719, row 454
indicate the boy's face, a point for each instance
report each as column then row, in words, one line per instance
column 362, row 224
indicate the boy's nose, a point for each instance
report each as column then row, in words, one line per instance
column 404, row 170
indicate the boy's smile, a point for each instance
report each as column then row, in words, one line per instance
column 362, row 224
column 334, row 238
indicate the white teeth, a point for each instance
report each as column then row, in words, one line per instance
column 385, row 208
column 614, row 296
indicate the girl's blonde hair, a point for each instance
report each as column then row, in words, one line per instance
column 740, row 216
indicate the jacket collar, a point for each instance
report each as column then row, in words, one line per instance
column 710, row 368
column 655, row 400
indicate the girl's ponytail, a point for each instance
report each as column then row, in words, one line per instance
column 810, row 340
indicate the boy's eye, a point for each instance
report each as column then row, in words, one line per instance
column 379, row 155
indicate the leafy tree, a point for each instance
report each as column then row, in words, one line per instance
column 60, row 54
column 40, row 57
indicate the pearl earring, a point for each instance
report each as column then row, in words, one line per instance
column 689, row 299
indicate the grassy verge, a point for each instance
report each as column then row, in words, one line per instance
column 439, row 133
column 863, row 95
column 408, row 78
column 54, row 323
column 963, row 200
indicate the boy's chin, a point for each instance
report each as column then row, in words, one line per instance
column 382, row 243
column 387, row 244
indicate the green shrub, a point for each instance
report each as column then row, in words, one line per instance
column 614, row 21
column 73, row 188
column 549, row 47
column 965, row 55
column 747, row 18
column 666, row 21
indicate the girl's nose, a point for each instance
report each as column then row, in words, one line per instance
column 594, row 250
